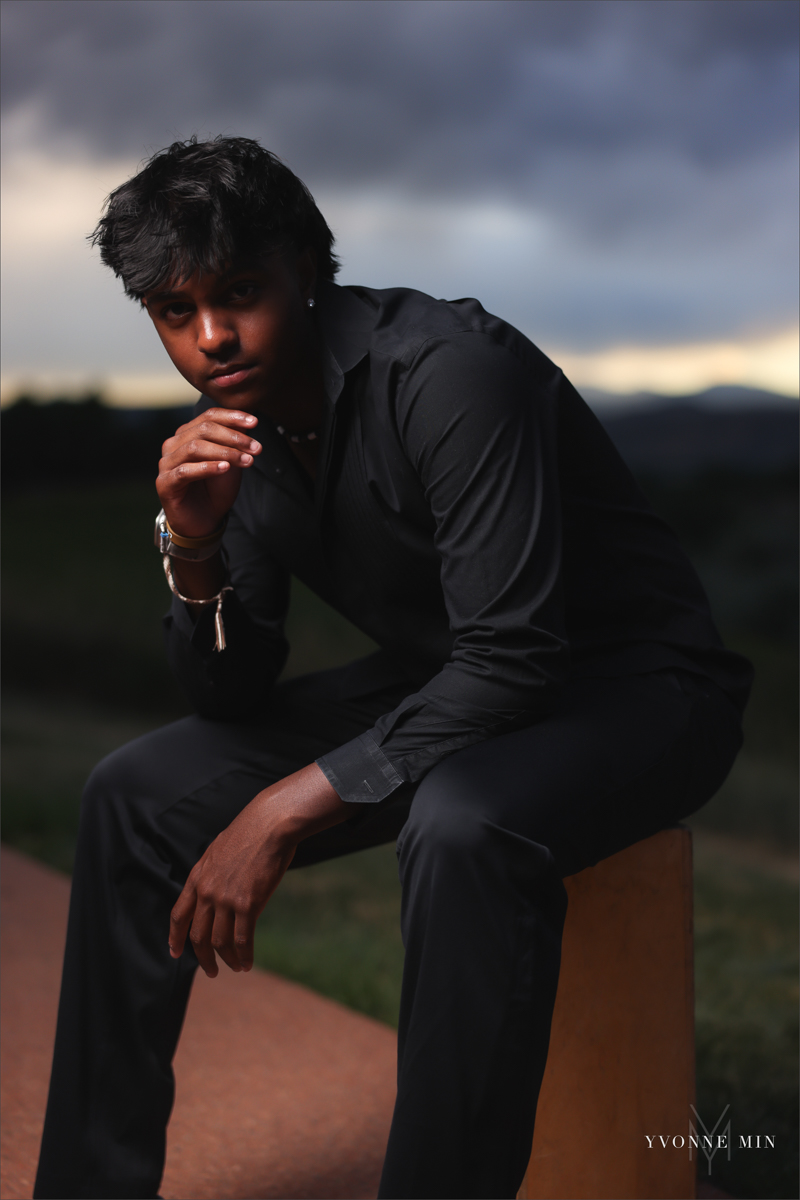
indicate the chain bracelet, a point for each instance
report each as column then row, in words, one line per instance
column 219, row 627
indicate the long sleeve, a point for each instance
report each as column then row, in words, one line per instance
column 479, row 427
column 238, row 681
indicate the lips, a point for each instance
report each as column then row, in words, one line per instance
column 231, row 375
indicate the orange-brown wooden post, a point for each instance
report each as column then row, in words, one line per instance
column 621, row 1061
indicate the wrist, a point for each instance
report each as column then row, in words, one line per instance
column 300, row 805
column 178, row 545
column 199, row 579
column 195, row 536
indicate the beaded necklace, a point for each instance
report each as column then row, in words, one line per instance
column 310, row 435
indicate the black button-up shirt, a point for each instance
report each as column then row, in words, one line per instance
column 471, row 515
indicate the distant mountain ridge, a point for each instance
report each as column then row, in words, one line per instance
column 725, row 396
column 735, row 428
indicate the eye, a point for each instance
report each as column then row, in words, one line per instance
column 175, row 310
column 245, row 289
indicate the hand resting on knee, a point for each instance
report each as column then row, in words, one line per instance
column 230, row 885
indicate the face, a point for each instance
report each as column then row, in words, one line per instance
column 243, row 337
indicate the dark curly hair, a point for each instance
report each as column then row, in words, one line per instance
column 204, row 206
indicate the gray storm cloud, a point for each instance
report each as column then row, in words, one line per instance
column 658, row 138
column 374, row 89
column 441, row 95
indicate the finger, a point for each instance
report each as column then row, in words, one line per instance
column 176, row 481
column 243, row 936
column 181, row 918
column 231, row 418
column 200, row 937
column 211, row 431
column 228, row 415
column 200, row 450
column 222, row 938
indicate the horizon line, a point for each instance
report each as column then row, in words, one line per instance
column 625, row 373
column 153, row 397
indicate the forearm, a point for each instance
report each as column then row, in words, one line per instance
column 300, row 805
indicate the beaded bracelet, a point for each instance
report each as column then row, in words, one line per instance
column 219, row 627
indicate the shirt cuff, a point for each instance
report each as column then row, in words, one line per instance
column 359, row 771
column 199, row 632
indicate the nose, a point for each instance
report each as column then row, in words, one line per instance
column 216, row 336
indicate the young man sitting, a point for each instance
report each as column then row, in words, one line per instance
column 549, row 686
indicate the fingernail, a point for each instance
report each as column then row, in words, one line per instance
column 222, row 466
column 254, row 446
column 250, row 420
column 246, row 460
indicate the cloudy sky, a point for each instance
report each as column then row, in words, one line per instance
column 618, row 179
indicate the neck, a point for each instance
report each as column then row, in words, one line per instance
column 300, row 403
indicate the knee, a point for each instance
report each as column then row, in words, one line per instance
column 105, row 788
column 121, row 785
column 458, row 819
column 152, row 766
column 448, row 815
column 113, row 774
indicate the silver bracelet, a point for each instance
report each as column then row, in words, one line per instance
column 219, row 628
column 163, row 539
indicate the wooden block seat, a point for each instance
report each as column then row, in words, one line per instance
column 621, row 1061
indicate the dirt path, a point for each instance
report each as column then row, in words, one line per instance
column 304, row 1112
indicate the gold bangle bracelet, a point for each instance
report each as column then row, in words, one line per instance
column 195, row 543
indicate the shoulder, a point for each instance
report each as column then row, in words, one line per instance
column 453, row 379
column 414, row 329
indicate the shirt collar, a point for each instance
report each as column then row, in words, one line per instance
column 346, row 323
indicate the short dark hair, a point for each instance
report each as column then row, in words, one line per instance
column 205, row 206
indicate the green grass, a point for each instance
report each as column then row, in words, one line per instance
column 759, row 798
column 48, row 749
column 336, row 928
column 746, row 984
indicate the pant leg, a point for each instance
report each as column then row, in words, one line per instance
column 490, row 834
column 149, row 812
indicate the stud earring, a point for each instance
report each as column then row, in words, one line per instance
column 311, row 303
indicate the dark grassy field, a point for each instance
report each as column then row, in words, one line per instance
column 746, row 931
column 84, row 672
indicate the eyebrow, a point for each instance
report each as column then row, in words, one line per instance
column 224, row 278
column 158, row 297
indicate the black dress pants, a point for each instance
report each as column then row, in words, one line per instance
column 484, row 841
